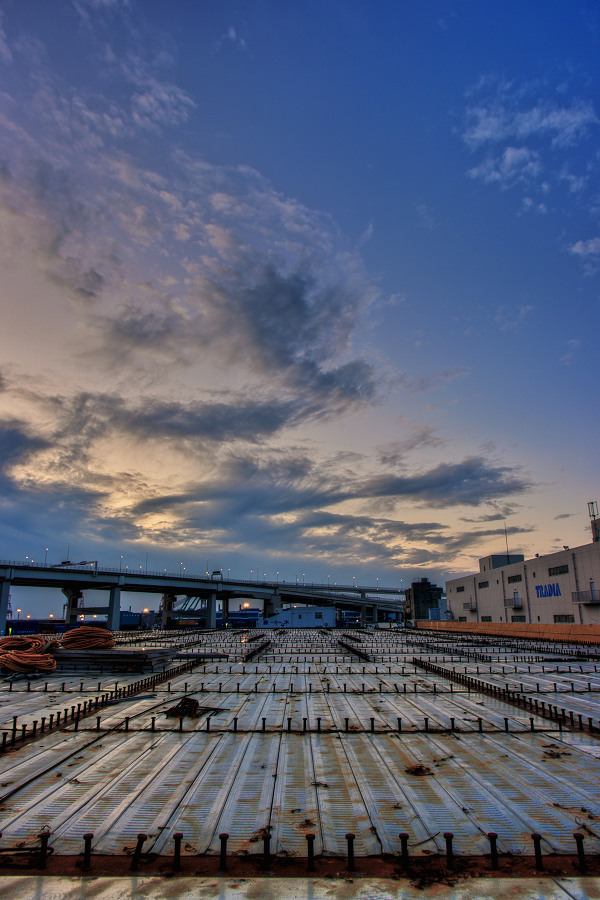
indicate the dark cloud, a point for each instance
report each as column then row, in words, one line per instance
column 420, row 437
column 16, row 446
column 88, row 416
column 287, row 327
column 287, row 501
column 470, row 482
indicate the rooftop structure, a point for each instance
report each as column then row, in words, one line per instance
column 419, row 745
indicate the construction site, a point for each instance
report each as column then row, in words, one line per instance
column 304, row 762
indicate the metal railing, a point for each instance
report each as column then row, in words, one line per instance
column 587, row 597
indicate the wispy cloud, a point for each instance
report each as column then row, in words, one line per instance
column 588, row 251
column 524, row 133
column 5, row 52
column 509, row 318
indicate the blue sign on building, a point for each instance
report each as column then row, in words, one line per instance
column 548, row 590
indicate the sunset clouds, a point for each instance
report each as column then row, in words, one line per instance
column 201, row 357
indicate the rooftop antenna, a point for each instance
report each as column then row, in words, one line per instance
column 593, row 509
column 506, row 537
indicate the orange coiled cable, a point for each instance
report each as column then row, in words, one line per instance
column 24, row 642
column 88, row 638
column 27, row 661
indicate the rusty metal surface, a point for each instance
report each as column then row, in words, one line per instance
column 138, row 887
column 306, row 738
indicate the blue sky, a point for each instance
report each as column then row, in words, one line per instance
column 309, row 287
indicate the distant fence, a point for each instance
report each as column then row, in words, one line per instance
column 576, row 634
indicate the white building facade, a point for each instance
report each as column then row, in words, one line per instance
column 558, row 587
column 300, row 617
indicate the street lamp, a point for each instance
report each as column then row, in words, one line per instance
column 18, row 613
column 120, row 564
column 45, row 556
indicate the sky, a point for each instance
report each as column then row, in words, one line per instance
column 299, row 288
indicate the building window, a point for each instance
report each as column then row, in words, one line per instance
column 512, row 579
column 517, row 618
column 564, row 618
column 483, row 584
column 459, row 590
column 558, row 570
column 462, row 618
column 318, row 615
column 486, row 618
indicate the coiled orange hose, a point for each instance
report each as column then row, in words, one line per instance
column 31, row 653
column 27, row 661
column 88, row 638
column 24, row 642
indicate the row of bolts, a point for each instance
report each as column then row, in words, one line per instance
column 87, row 706
column 151, row 682
column 78, row 712
column 494, row 691
column 310, row 840
column 396, row 688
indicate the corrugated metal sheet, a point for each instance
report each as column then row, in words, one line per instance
column 254, row 772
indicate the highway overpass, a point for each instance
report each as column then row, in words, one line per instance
column 200, row 591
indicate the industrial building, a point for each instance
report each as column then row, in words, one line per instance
column 423, row 600
column 559, row 587
column 301, row 617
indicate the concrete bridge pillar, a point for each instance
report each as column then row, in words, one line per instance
column 271, row 605
column 363, row 614
column 375, row 614
column 211, row 611
column 4, row 596
column 168, row 602
column 73, row 595
column 225, row 610
column 114, row 608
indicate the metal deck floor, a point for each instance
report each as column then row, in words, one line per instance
column 309, row 738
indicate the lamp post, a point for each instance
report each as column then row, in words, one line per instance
column 45, row 556
column 18, row 614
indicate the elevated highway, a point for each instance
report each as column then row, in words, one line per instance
column 200, row 592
